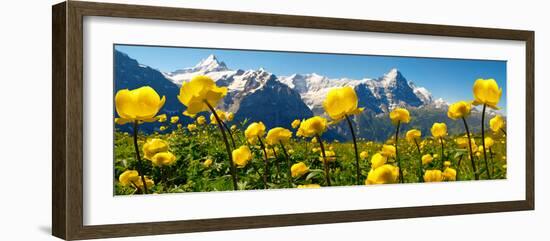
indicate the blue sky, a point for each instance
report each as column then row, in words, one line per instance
column 450, row 79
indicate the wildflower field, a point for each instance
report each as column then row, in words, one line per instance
column 217, row 153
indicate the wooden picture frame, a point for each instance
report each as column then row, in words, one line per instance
column 67, row 149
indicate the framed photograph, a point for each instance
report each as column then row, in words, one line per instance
column 171, row 120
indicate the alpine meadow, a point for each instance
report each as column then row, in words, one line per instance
column 301, row 120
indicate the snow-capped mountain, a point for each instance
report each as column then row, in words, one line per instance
column 259, row 95
column 378, row 95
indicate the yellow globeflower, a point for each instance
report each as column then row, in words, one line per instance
column 128, row 176
column 364, row 155
column 309, row 186
column 162, row 128
column 154, row 146
column 341, row 102
column 331, row 156
column 433, row 176
column 141, row 104
column 162, row 118
column 439, row 130
column 388, row 151
column 377, row 160
column 278, row 135
column 449, row 174
column 299, row 169
column 486, row 91
column 148, row 180
column 462, row 142
column 489, row 142
column 191, row 127
column 459, row 110
column 400, row 115
column 207, row 163
column 174, row 119
column 447, row 163
column 383, row 175
column 295, row 124
column 241, row 156
column 427, row 159
column 313, row 126
column 221, row 115
column 201, row 120
column 254, row 131
column 199, row 91
column 230, row 116
column 163, row 159
column 496, row 123
column 413, row 135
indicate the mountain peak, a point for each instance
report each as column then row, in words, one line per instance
column 211, row 63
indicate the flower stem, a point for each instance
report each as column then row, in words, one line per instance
column 442, row 151
column 420, row 171
column 266, row 163
column 139, row 163
column 401, row 179
column 325, row 160
column 472, row 160
column 458, row 167
column 230, row 135
column 277, row 167
column 227, row 147
column 483, row 140
column 503, row 131
column 289, row 173
column 357, row 169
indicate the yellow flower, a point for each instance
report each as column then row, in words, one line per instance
column 191, row 127
column 278, row 135
column 148, row 181
column 299, row 169
column 413, row 135
column 295, row 124
column 128, row 176
column 162, row 128
column 331, row 156
column 241, row 156
column 179, row 126
column 486, row 91
column 341, row 102
column 313, row 126
column 449, row 174
column 314, row 141
column 462, row 142
column 364, row 155
column 199, row 91
column 496, row 123
column 162, row 118
column 230, row 116
column 163, row 159
column 254, row 131
column 233, row 128
column 207, row 163
column 447, row 163
column 427, row 159
column 120, row 121
column 489, row 142
column 174, row 119
column 201, row 120
column 309, row 186
column 377, row 160
column 400, row 115
column 433, row 176
column 221, row 115
column 388, row 150
column 141, row 104
column 459, row 110
column 439, row 130
column 382, row 175
column 154, row 146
